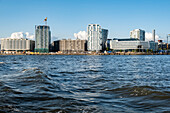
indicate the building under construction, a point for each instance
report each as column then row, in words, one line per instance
column 42, row 38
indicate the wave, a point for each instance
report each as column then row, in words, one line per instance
column 8, row 89
column 67, row 72
column 24, row 70
column 138, row 91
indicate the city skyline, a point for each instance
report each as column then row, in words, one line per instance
column 67, row 17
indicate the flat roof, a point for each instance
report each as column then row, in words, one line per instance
column 126, row 39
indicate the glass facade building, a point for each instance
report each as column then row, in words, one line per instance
column 104, row 38
column 42, row 38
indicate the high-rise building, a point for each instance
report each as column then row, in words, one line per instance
column 42, row 38
column 138, row 34
column 96, row 37
column 104, row 38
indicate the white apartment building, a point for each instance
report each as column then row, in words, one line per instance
column 13, row 44
column 96, row 37
column 138, row 34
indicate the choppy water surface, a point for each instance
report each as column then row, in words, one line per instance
column 85, row 84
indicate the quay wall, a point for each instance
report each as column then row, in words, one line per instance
column 120, row 53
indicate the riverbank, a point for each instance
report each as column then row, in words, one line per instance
column 118, row 53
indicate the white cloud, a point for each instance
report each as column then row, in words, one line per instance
column 18, row 35
column 148, row 37
column 29, row 36
column 81, row 35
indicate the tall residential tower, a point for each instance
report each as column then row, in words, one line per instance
column 42, row 38
column 138, row 34
column 96, row 37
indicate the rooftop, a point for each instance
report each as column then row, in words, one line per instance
column 126, row 39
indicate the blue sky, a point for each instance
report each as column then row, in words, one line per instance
column 67, row 17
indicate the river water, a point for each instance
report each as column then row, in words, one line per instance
column 85, row 84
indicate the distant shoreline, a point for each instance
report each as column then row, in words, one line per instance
column 121, row 53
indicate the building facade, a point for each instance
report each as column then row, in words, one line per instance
column 104, row 38
column 153, row 46
column 70, row 45
column 96, row 37
column 133, row 44
column 42, row 38
column 12, row 44
column 55, row 46
column 108, row 43
column 138, row 34
column 128, row 44
column 162, row 45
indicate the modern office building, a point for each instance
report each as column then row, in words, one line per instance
column 70, row 45
column 132, row 44
column 108, row 43
column 96, row 37
column 153, row 46
column 104, row 38
column 128, row 44
column 55, row 46
column 42, row 38
column 13, row 44
column 138, row 34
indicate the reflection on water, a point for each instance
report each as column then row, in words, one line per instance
column 84, row 84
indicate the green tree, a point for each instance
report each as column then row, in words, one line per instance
column 107, row 49
column 147, row 50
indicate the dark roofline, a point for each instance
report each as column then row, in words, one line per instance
column 126, row 39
